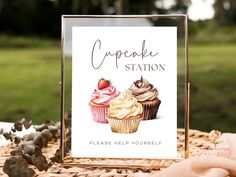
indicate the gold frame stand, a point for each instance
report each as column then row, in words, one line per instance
column 65, row 162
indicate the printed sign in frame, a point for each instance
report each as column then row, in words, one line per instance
column 124, row 89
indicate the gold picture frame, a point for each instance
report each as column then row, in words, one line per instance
column 117, row 162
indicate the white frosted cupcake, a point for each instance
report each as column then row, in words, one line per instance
column 124, row 113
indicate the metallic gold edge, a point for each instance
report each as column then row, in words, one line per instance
column 187, row 90
column 113, row 158
column 127, row 16
column 62, row 146
column 113, row 166
column 186, row 145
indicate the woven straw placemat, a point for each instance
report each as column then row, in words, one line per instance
column 198, row 141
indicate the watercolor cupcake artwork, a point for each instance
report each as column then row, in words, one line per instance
column 124, row 113
column 147, row 95
column 100, row 99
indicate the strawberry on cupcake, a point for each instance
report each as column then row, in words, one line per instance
column 101, row 97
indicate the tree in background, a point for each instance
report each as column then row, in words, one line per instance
column 225, row 11
column 181, row 6
column 43, row 17
column 29, row 17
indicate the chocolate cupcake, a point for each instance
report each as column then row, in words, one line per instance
column 147, row 95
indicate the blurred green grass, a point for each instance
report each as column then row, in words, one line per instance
column 29, row 85
column 16, row 41
column 213, row 96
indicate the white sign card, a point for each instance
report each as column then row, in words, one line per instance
column 124, row 92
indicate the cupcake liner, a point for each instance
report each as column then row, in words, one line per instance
column 99, row 113
column 124, row 125
column 150, row 110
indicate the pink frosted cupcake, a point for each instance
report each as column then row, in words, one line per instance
column 101, row 98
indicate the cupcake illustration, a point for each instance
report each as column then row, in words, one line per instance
column 124, row 113
column 101, row 98
column 147, row 95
